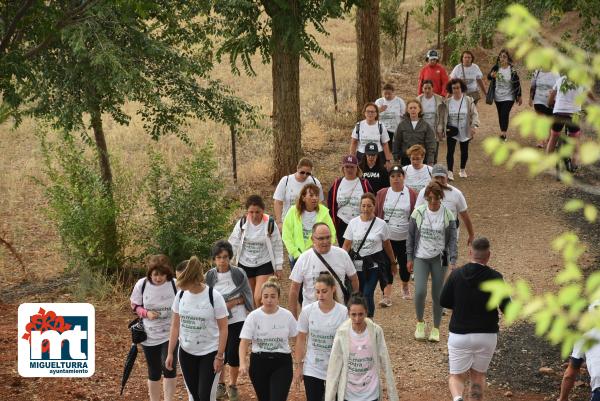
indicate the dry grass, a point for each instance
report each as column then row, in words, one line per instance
column 22, row 202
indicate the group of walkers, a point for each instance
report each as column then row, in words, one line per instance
column 391, row 212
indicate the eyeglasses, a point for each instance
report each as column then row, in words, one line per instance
column 305, row 173
column 370, row 112
column 324, row 238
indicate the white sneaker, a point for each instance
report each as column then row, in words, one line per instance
column 450, row 176
column 462, row 174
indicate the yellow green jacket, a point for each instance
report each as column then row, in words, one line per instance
column 293, row 234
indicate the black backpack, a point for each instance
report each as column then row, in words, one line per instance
column 270, row 224
column 358, row 130
column 210, row 296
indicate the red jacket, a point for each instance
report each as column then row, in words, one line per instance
column 380, row 200
column 438, row 75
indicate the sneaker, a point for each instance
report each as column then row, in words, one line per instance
column 450, row 176
column 462, row 173
column 503, row 137
column 221, row 391
column 420, row 331
column 385, row 303
column 406, row 293
column 434, row 335
column 233, row 393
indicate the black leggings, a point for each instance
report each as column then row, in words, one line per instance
column 271, row 375
column 199, row 374
column 155, row 359
column 340, row 229
column 314, row 388
column 464, row 153
column 503, row 113
column 399, row 248
column 232, row 347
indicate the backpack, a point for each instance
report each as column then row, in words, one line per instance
column 287, row 177
column 270, row 224
column 210, row 296
column 358, row 130
column 144, row 287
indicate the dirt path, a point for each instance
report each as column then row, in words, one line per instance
column 517, row 213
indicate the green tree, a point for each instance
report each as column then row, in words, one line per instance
column 278, row 30
column 391, row 25
column 105, row 54
column 561, row 317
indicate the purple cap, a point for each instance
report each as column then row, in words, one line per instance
column 349, row 161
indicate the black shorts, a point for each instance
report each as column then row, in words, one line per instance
column 543, row 109
column 560, row 120
column 232, row 348
column 262, row 270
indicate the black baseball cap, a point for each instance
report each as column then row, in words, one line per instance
column 371, row 148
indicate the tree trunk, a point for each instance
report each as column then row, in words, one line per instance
column 367, row 46
column 111, row 243
column 285, row 71
column 449, row 15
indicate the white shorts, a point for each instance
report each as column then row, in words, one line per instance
column 471, row 351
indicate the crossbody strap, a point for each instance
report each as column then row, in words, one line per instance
column 366, row 235
column 333, row 273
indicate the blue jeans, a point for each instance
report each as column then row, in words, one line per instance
column 368, row 282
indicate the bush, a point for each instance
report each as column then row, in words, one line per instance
column 391, row 25
column 190, row 210
column 82, row 208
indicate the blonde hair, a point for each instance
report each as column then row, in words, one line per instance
column 272, row 282
column 193, row 273
column 417, row 148
column 329, row 281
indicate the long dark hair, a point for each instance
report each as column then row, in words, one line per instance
column 510, row 60
column 363, row 165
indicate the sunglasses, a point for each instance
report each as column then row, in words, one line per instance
column 305, row 173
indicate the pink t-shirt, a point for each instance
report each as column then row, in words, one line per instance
column 363, row 378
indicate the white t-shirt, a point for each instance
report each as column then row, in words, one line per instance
column 270, row 332
column 289, row 188
column 458, row 117
column 396, row 211
column 431, row 241
column 321, row 328
column 225, row 285
column 454, row 200
column 253, row 239
column 309, row 266
column 374, row 243
column 308, row 221
column 370, row 133
column 504, row 90
column 157, row 298
column 544, row 82
column 592, row 357
column 392, row 116
column 429, row 111
column 363, row 377
column 198, row 328
column 566, row 101
column 348, row 199
column 417, row 179
column 470, row 75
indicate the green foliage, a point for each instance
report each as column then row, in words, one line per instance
column 391, row 24
column 79, row 206
column 245, row 30
column 190, row 211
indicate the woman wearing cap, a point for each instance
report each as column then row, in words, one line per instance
column 462, row 121
column 371, row 130
column 289, row 187
column 416, row 175
column 431, row 231
column 434, row 72
column 367, row 240
column 373, row 169
column 257, row 245
column 413, row 130
column 471, row 74
column 343, row 198
column 433, row 108
column 299, row 222
column 391, row 110
column 505, row 82
column 394, row 206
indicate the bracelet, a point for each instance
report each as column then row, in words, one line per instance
column 220, row 358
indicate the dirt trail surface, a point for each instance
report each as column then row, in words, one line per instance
column 518, row 214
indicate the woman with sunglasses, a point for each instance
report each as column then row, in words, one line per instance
column 505, row 83
column 462, row 122
column 289, row 188
column 371, row 130
column 431, row 231
column 317, row 325
column 343, row 198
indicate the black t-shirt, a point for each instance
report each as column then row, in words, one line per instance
column 468, row 302
column 377, row 177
